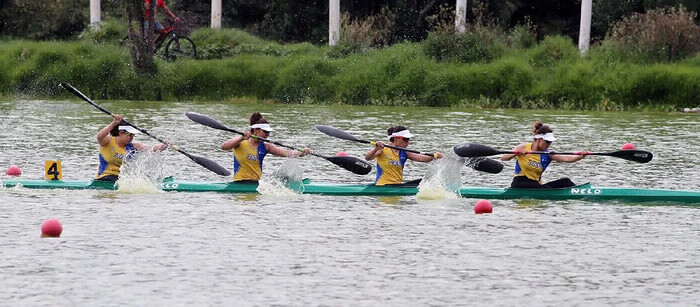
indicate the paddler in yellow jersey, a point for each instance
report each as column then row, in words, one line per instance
column 116, row 144
column 249, row 152
column 529, row 167
column 390, row 162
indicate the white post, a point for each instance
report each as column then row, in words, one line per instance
column 216, row 14
column 461, row 16
column 95, row 14
column 584, row 35
column 333, row 22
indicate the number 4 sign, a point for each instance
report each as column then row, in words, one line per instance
column 53, row 170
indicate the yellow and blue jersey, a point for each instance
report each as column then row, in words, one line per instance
column 248, row 161
column 112, row 156
column 390, row 167
column 531, row 165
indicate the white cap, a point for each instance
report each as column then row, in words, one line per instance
column 265, row 127
column 403, row 133
column 129, row 129
column 547, row 137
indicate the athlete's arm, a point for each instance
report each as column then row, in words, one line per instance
column 281, row 152
column 508, row 157
column 374, row 152
column 233, row 143
column 568, row 158
column 103, row 136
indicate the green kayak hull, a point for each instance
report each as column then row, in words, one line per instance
column 584, row 191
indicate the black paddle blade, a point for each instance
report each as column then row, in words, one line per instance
column 210, row 165
column 352, row 164
column 640, row 156
column 486, row 165
column 336, row 133
column 470, row 150
column 206, row 121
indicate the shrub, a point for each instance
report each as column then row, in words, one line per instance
column 305, row 80
column 111, row 31
column 523, row 36
column 552, row 50
column 665, row 34
column 44, row 19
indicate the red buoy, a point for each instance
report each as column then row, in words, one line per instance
column 51, row 228
column 13, row 170
column 483, row 206
column 342, row 154
column 628, row 146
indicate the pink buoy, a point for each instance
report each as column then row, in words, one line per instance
column 483, row 206
column 628, row 146
column 342, row 154
column 51, row 228
column 13, row 170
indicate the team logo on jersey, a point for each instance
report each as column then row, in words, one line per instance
column 251, row 157
column 535, row 164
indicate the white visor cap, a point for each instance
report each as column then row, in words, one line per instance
column 265, row 127
column 129, row 129
column 403, row 133
column 547, row 137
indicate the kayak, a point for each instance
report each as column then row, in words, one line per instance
column 583, row 192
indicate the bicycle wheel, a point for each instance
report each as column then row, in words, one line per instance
column 180, row 47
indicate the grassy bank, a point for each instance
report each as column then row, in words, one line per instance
column 550, row 74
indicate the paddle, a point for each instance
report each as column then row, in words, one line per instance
column 479, row 150
column 483, row 164
column 352, row 164
column 208, row 164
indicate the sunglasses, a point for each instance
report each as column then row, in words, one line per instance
column 548, row 142
column 403, row 138
column 128, row 133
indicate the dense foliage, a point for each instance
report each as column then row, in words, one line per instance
column 296, row 21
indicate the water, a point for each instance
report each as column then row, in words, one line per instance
column 155, row 248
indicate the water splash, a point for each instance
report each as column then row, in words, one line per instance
column 141, row 174
column 285, row 181
column 442, row 180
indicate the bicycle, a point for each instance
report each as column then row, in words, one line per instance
column 178, row 46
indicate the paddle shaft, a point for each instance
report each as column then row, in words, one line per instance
column 483, row 165
column 373, row 143
column 209, row 164
column 273, row 142
column 479, row 150
column 575, row 153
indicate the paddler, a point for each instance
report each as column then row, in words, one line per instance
column 249, row 152
column 529, row 167
column 116, row 144
column 390, row 162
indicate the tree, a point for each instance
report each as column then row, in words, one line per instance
column 141, row 38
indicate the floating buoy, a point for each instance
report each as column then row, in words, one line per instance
column 483, row 206
column 51, row 228
column 686, row 110
column 695, row 110
column 628, row 146
column 342, row 154
column 13, row 170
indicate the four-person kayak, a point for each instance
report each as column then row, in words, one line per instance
column 582, row 192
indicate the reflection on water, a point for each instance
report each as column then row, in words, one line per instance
column 213, row 249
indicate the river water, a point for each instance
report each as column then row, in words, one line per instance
column 150, row 248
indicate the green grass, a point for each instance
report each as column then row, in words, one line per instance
column 234, row 64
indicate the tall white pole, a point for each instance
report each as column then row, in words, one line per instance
column 95, row 13
column 584, row 35
column 333, row 22
column 461, row 16
column 216, row 14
